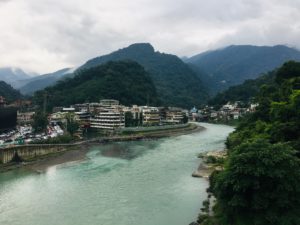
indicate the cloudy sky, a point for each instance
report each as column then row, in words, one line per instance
column 47, row 35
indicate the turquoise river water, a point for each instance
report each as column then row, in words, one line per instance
column 126, row 183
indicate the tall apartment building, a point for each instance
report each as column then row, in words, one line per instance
column 109, row 118
column 150, row 116
column 174, row 115
column 110, row 115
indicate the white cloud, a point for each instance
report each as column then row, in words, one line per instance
column 47, row 35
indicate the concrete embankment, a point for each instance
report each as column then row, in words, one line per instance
column 32, row 151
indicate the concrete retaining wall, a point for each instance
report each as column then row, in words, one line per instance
column 28, row 152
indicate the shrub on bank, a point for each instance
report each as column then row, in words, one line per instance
column 63, row 139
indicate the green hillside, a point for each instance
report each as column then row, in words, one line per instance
column 43, row 81
column 8, row 92
column 234, row 64
column 125, row 81
column 244, row 92
column 260, row 183
column 176, row 83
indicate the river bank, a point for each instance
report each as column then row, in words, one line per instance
column 143, row 182
column 210, row 161
column 77, row 151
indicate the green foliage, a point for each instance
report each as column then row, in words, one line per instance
column 261, row 184
column 277, row 117
column 288, row 70
column 130, row 121
column 40, row 122
column 8, row 92
column 176, row 83
column 72, row 124
column 63, row 139
column 235, row 64
column 125, row 81
column 245, row 92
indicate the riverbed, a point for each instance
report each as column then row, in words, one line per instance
column 124, row 183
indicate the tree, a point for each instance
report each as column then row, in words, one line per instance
column 259, row 186
column 40, row 122
column 72, row 124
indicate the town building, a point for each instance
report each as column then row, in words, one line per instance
column 25, row 117
column 150, row 116
column 174, row 115
column 84, row 118
column 94, row 107
column 2, row 102
column 108, row 118
column 70, row 109
column 109, row 102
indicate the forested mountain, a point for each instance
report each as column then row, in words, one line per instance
column 13, row 76
column 42, row 81
column 126, row 81
column 260, row 183
column 176, row 83
column 234, row 64
column 244, row 92
column 8, row 92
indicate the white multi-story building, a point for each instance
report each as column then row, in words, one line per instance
column 109, row 102
column 109, row 118
column 150, row 116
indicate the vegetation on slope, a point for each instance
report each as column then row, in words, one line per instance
column 260, row 183
column 126, row 81
column 8, row 92
column 245, row 92
column 235, row 64
column 43, row 81
column 176, row 83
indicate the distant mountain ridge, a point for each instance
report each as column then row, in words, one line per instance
column 176, row 83
column 43, row 81
column 236, row 63
column 126, row 81
column 13, row 75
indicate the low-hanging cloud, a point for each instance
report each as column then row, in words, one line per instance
column 47, row 35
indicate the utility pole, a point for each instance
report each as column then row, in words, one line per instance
column 45, row 102
column 147, row 99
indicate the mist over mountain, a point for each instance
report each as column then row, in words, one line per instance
column 234, row 64
column 13, row 76
column 43, row 81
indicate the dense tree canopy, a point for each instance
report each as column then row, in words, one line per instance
column 261, row 184
column 125, row 81
column 176, row 83
column 245, row 92
column 8, row 92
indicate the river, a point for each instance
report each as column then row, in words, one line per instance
column 126, row 183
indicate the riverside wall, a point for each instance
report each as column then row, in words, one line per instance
column 29, row 152
column 32, row 151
